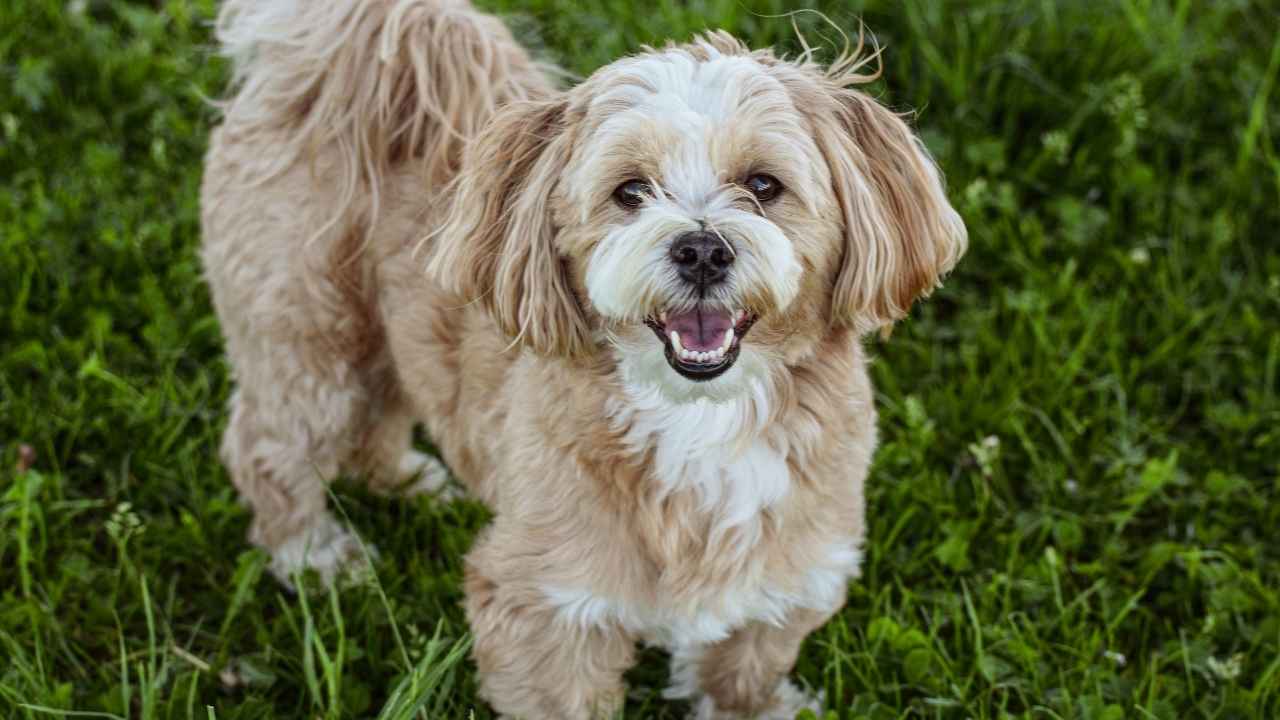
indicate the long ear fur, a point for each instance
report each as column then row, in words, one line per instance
column 892, row 197
column 902, row 235
column 498, row 245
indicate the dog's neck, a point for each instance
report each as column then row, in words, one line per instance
column 723, row 450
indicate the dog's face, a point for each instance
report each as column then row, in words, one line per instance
column 704, row 213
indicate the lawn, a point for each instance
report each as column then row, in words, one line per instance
column 1074, row 512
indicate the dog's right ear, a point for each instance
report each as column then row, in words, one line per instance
column 497, row 246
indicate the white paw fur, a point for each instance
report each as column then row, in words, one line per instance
column 329, row 549
column 788, row 700
column 426, row 476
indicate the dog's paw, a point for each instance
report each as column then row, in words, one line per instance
column 334, row 553
column 425, row 475
column 788, row 701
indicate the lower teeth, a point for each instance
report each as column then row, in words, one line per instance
column 703, row 358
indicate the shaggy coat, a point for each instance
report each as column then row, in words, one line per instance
column 628, row 314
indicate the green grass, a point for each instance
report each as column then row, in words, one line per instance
column 1074, row 511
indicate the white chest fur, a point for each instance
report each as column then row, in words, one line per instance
column 720, row 450
column 723, row 453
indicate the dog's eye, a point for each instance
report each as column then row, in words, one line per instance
column 632, row 193
column 764, row 187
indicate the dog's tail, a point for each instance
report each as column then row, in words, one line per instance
column 376, row 83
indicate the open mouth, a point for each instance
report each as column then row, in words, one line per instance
column 703, row 342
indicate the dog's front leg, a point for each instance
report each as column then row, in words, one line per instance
column 534, row 662
column 745, row 675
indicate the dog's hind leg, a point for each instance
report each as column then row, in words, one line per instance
column 386, row 456
column 289, row 432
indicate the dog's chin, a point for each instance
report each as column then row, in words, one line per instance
column 646, row 369
column 701, row 372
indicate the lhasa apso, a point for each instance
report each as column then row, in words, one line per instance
column 628, row 313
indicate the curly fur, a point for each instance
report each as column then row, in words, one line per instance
column 406, row 220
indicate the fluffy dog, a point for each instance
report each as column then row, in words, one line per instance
column 628, row 313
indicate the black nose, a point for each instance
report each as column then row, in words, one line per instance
column 701, row 257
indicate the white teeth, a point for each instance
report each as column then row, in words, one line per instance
column 703, row 358
column 662, row 316
column 694, row 356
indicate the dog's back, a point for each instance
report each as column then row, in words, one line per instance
column 378, row 82
column 335, row 107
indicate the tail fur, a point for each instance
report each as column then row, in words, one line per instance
column 375, row 83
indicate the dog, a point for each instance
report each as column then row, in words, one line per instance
column 629, row 314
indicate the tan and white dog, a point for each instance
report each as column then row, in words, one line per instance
column 629, row 314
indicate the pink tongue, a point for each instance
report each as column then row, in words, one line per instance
column 700, row 330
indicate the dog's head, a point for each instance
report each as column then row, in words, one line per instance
column 704, row 212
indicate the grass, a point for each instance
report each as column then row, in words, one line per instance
column 1074, row 511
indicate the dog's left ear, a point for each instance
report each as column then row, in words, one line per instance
column 901, row 233
column 497, row 247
